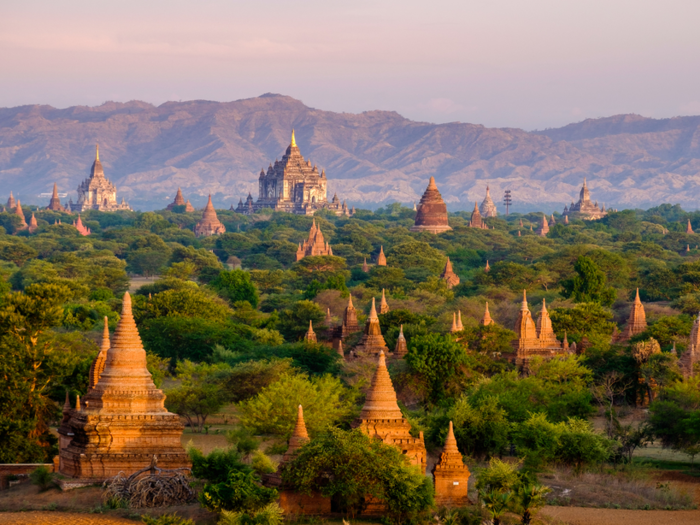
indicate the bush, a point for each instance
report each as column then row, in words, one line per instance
column 241, row 491
column 42, row 477
column 166, row 519
column 262, row 464
column 216, row 465
column 270, row 514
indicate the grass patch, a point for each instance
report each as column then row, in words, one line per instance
column 686, row 467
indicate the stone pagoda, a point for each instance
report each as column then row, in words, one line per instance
column 350, row 324
column 381, row 418
column 401, row 348
column 372, row 342
column 383, row 305
column 11, row 202
column 584, row 208
column 180, row 201
column 310, row 336
column 209, row 224
column 451, row 475
column 381, row 258
column 315, row 245
column 447, row 275
column 293, row 185
column 534, row 339
column 121, row 423
column 636, row 323
column 486, row 320
column 431, row 215
column 476, row 220
column 339, row 209
column 55, row 202
column 543, row 230
column 20, row 214
column 691, row 357
column 488, row 208
column 298, row 438
column 97, row 192
column 33, row 226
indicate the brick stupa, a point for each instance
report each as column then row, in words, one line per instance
column 488, row 208
column 401, row 348
column 381, row 258
column 447, row 275
column 20, row 214
column 55, row 202
column 451, row 475
column 350, row 324
column 121, row 422
column 383, row 305
column 11, row 202
column 180, row 201
column 636, row 323
column 534, row 339
column 372, row 342
column 315, row 245
column 476, row 221
column 209, row 224
column 381, row 418
column 82, row 229
column 33, row 225
column 543, row 230
column 298, row 438
column 431, row 215
column 310, row 336
column 486, row 320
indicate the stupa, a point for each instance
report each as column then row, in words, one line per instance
column 584, row 208
column 180, row 201
column 383, row 305
column 11, row 202
column 298, row 438
column 486, row 320
column 33, row 226
column 447, row 275
column 381, row 418
column 350, row 324
column 534, row 339
column 55, row 202
column 431, row 215
column 476, row 221
column 365, row 266
column 82, row 230
column 488, row 208
column 310, row 336
column 121, row 423
column 543, row 230
column 381, row 258
column 691, row 357
column 209, row 224
column 315, row 245
column 689, row 228
column 401, row 348
column 636, row 323
column 372, row 342
column 97, row 192
column 20, row 214
column 451, row 475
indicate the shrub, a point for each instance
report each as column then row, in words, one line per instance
column 216, row 465
column 166, row 519
column 42, row 477
column 270, row 514
column 241, row 491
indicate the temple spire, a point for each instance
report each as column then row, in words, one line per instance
column 486, row 320
column 299, row 436
column 294, row 142
column 97, row 152
column 380, row 402
column 451, row 442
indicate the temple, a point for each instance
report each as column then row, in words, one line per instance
column 488, row 208
column 82, row 230
column 486, row 320
column 543, row 230
column 11, row 202
column 383, row 305
column 689, row 228
column 457, row 325
column 381, row 258
column 310, row 336
column 534, row 339
column 247, row 208
column 180, row 201
column 292, row 185
column 476, row 221
column 97, row 192
column 121, row 423
column 55, row 202
column 315, row 245
column 447, row 275
column 636, row 323
column 381, row 418
column 372, row 342
column 209, row 224
column 431, row 215
column 20, row 214
column 584, row 208
column 691, row 357
column 451, row 475
column 401, row 348
column 298, row 438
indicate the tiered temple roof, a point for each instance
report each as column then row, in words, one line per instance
column 350, row 324
column 584, row 208
column 121, row 422
column 97, row 192
column 82, row 230
column 488, row 208
column 298, row 438
column 310, row 336
column 55, row 202
column 383, row 305
column 11, row 202
column 431, row 215
column 636, row 323
column 543, row 230
column 315, row 245
column 372, row 342
column 209, row 224
column 476, row 221
column 381, row 418
column 180, row 201
column 451, row 475
column 534, row 339
column 447, row 275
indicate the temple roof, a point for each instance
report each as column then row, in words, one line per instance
column 380, row 402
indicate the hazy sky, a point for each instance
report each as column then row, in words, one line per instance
column 519, row 63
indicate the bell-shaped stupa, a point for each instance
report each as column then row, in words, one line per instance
column 432, row 211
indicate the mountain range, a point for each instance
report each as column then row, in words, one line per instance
column 370, row 158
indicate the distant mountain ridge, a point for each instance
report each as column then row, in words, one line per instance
column 372, row 157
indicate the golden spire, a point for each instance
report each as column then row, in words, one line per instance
column 294, row 142
column 97, row 152
column 299, row 436
column 451, row 442
column 380, row 402
column 373, row 312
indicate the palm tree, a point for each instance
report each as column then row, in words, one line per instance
column 496, row 504
column 528, row 498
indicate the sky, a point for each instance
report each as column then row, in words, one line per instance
column 531, row 64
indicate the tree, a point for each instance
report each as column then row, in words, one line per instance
column 528, row 499
column 325, row 400
column 416, row 254
column 196, row 398
column 674, row 417
column 294, row 322
column 437, row 359
column 579, row 445
column 184, row 302
column 589, row 286
column 583, row 320
column 481, row 427
column 491, row 339
column 236, row 285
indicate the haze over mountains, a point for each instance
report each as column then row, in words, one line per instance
column 370, row 158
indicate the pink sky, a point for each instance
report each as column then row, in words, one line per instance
column 519, row 63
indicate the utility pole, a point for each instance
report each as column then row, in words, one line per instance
column 507, row 201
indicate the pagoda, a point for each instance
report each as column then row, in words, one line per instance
column 447, row 275
column 336, row 207
column 451, row 475
column 350, row 324
column 381, row 258
column 365, row 266
column 584, row 208
column 486, row 320
column 11, row 202
column 82, row 230
column 97, row 192
column 689, row 228
column 55, row 202
column 310, row 336
column 247, row 208
column 476, row 221
column 33, row 226
column 180, row 201
column 691, row 357
column 401, row 348
column 315, row 245
column 543, row 230
column 209, row 224
column 383, row 305
column 298, row 438
column 636, row 323
column 431, row 215
column 20, row 214
column 534, row 339
column 294, row 186
column 121, row 423
column 488, row 208
column 382, row 419
column 372, row 342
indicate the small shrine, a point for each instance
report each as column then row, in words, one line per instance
column 315, row 245
column 488, row 208
column 636, row 323
column 55, row 202
column 209, row 224
column 451, row 475
column 180, row 201
column 534, row 339
column 372, row 342
column 448, row 275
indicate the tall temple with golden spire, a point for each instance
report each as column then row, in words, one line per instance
column 293, row 185
column 97, row 192
column 584, row 208
column 315, row 245
column 431, row 213
column 122, row 422
column 209, row 224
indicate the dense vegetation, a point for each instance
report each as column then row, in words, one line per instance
column 226, row 316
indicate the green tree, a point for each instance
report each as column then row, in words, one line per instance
column 184, row 302
column 583, row 320
column 579, row 445
column 294, row 322
column 674, row 417
column 437, row 359
column 481, row 427
column 590, row 285
column 236, row 285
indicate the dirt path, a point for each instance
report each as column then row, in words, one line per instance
column 59, row 518
column 588, row 516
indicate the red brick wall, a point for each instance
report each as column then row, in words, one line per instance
column 305, row 504
column 19, row 468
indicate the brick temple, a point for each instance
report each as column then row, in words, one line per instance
column 534, row 339
column 209, row 224
column 431, row 213
column 180, row 201
column 315, row 245
column 584, row 208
